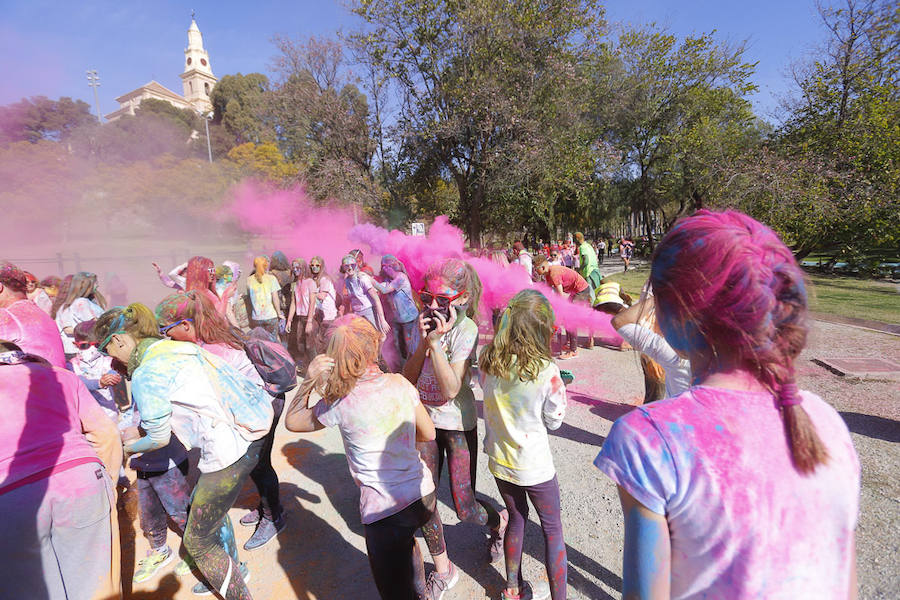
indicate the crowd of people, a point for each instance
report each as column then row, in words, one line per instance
column 733, row 482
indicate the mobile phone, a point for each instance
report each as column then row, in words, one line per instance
column 431, row 325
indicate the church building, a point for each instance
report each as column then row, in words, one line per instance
column 197, row 82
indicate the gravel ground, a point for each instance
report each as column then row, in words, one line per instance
column 321, row 555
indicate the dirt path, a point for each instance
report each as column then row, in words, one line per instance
column 321, row 555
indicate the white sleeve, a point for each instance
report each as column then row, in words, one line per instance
column 650, row 343
column 554, row 410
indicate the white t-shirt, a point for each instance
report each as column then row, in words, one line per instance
column 377, row 422
column 327, row 305
column 743, row 523
column 526, row 262
column 357, row 288
column 678, row 370
column 459, row 413
column 517, row 416
column 79, row 311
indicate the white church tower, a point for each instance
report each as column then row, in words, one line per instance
column 197, row 79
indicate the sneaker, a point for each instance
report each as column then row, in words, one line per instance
column 183, row 567
column 495, row 542
column 438, row 584
column 528, row 591
column 156, row 559
column 201, row 589
column 265, row 531
column 567, row 355
column 250, row 519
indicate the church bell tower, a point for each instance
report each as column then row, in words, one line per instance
column 197, row 79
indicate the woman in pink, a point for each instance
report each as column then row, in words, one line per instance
column 23, row 323
column 57, row 451
column 301, row 290
column 743, row 486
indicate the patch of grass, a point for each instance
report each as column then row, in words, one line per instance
column 631, row 280
column 857, row 298
column 843, row 296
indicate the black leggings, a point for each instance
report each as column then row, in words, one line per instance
column 263, row 474
column 461, row 450
column 394, row 555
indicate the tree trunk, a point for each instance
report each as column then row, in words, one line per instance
column 470, row 209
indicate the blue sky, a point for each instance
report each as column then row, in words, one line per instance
column 46, row 47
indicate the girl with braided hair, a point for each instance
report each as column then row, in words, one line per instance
column 729, row 490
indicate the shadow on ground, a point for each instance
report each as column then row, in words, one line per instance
column 872, row 426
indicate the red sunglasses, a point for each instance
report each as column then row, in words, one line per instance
column 443, row 300
column 84, row 345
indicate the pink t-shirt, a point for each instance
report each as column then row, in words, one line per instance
column 32, row 330
column 743, row 523
column 301, row 296
column 569, row 279
column 40, row 428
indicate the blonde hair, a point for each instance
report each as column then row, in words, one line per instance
column 353, row 344
column 522, row 338
column 260, row 264
column 136, row 320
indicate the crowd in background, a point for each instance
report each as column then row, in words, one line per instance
column 726, row 474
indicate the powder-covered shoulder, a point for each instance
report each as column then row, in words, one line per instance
column 830, row 426
column 637, row 458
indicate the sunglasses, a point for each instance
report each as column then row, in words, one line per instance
column 443, row 301
column 348, row 267
column 101, row 347
column 165, row 330
column 84, row 345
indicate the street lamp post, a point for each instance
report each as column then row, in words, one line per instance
column 206, row 118
column 94, row 81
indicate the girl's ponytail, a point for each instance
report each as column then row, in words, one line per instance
column 807, row 449
column 728, row 288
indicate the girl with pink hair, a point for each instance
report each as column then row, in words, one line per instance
column 743, row 486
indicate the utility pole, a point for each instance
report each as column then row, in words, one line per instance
column 94, row 82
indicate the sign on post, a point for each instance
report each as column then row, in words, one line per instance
column 418, row 229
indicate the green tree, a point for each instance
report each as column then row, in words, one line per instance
column 676, row 111
column 841, row 139
column 481, row 86
column 238, row 102
column 321, row 117
column 40, row 118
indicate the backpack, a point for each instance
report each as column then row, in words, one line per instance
column 272, row 361
column 247, row 409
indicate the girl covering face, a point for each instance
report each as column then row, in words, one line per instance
column 440, row 369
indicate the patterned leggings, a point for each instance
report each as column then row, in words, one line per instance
column 209, row 536
column 461, row 450
column 545, row 497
